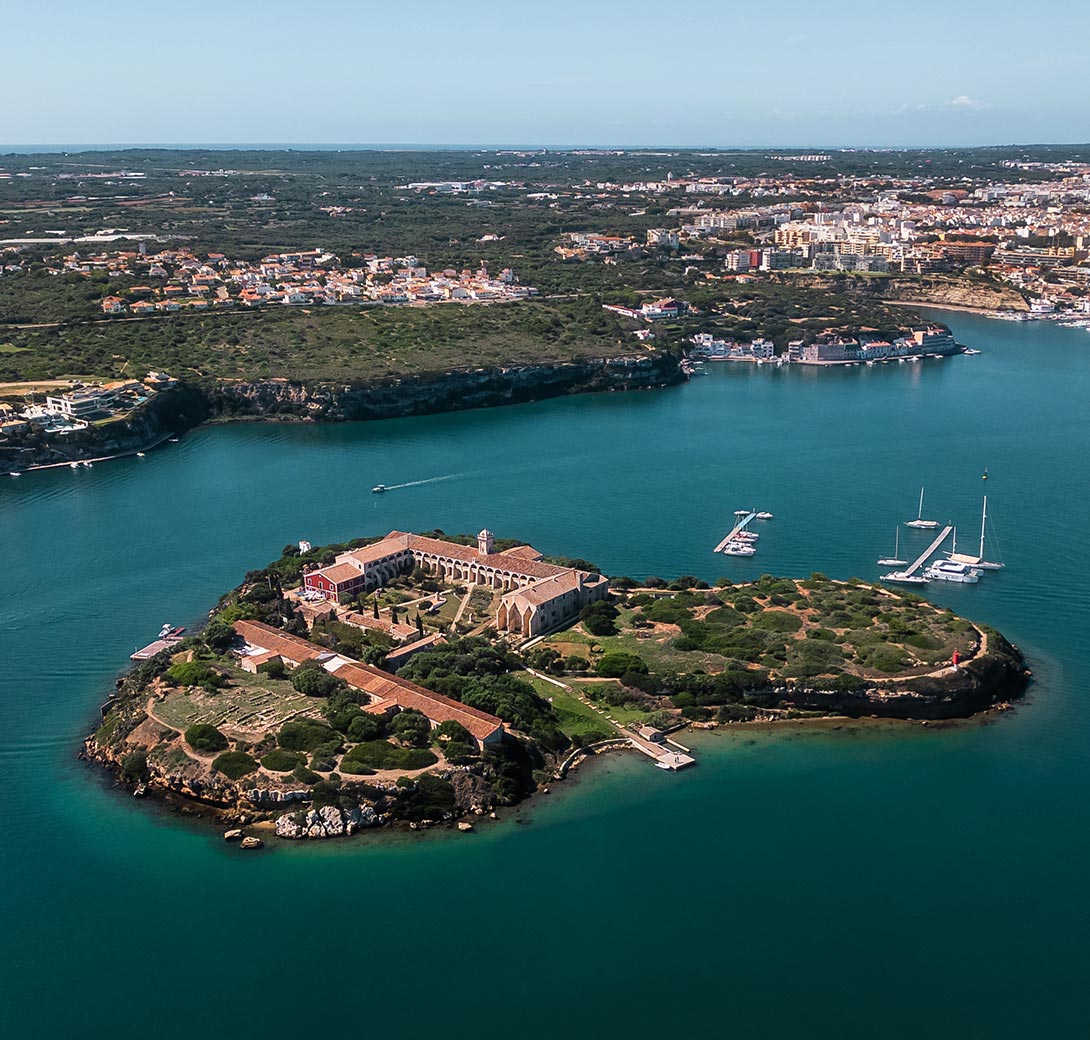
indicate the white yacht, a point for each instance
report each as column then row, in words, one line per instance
column 903, row 578
column 747, row 536
column 951, row 570
column 741, row 512
column 764, row 516
column 739, row 549
column 894, row 560
column 920, row 521
column 977, row 561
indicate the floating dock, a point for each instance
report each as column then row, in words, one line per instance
column 928, row 552
column 738, row 527
column 154, row 648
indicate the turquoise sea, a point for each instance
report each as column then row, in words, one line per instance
column 871, row 881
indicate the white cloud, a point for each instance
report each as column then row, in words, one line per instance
column 966, row 103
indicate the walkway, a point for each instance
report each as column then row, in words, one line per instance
column 738, row 528
column 928, row 552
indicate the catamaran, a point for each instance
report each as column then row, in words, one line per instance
column 950, row 570
column 894, row 561
column 977, row 561
column 920, row 521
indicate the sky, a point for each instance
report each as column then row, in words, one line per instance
column 758, row 73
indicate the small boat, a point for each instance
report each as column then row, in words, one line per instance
column 74, row 465
column 919, row 521
column 902, row 578
column 378, row 489
column 739, row 549
column 87, row 465
column 15, row 473
column 140, row 455
column 893, row 561
column 741, row 512
column 747, row 536
column 764, row 516
column 173, row 440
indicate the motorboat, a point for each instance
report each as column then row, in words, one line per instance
column 378, row 489
column 894, row 561
column 87, row 465
column 951, row 570
column 140, row 455
column 764, row 516
column 741, row 512
column 73, row 465
column 919, row 521
column 747, row 536
column 15, row 473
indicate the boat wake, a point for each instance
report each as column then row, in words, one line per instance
column 417, row 483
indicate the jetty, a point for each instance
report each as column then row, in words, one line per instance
column 927, row 553
column 665, row 758
column 737, row 529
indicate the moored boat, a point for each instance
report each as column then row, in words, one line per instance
column 920, row 522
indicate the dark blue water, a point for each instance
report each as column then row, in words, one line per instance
column 886, row 881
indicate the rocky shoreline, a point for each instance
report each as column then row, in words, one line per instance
column 192, row 404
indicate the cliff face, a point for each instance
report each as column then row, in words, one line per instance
column 167, row 412
column 190, row 405
column 954, row 294
column 993, row 678
column 452, row 391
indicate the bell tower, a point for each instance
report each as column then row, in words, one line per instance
column 485, row 542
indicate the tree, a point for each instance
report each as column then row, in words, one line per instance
column 374, row 606
column 219, row 636
column 312, row 680
column 412, row 728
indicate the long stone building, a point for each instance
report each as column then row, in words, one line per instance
column 381, row 692
column 538, row 596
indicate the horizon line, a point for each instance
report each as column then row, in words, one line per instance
column 411, row 146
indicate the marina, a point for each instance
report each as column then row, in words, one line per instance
column 909, row 576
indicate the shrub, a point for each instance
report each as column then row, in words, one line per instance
column 234, row 764
column 205, row 738
column 194, row 673
column 304, row 775
column 778, row 621
column 379, row 754
column 134, row 765
column 616, row 664
column 280, row 761
column 306, row 735
column 219, row 635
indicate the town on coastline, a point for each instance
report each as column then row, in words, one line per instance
column 430, row 679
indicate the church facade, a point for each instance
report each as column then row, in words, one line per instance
column 538, row 596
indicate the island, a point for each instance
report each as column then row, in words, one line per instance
column 431, row 679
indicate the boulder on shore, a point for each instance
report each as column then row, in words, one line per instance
column 327, row 822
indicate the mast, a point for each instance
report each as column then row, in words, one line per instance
column 919, row 514
column 983, row 521
column 897, row 543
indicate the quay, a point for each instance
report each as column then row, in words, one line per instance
column 665, row 758
column 738, row 527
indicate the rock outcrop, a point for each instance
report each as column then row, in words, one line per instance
column 327, row 822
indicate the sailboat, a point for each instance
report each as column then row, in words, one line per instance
column 977, row 561
column 894, row 560
column 920, row 521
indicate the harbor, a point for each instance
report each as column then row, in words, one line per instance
column 960, row 568
column 739, row 541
